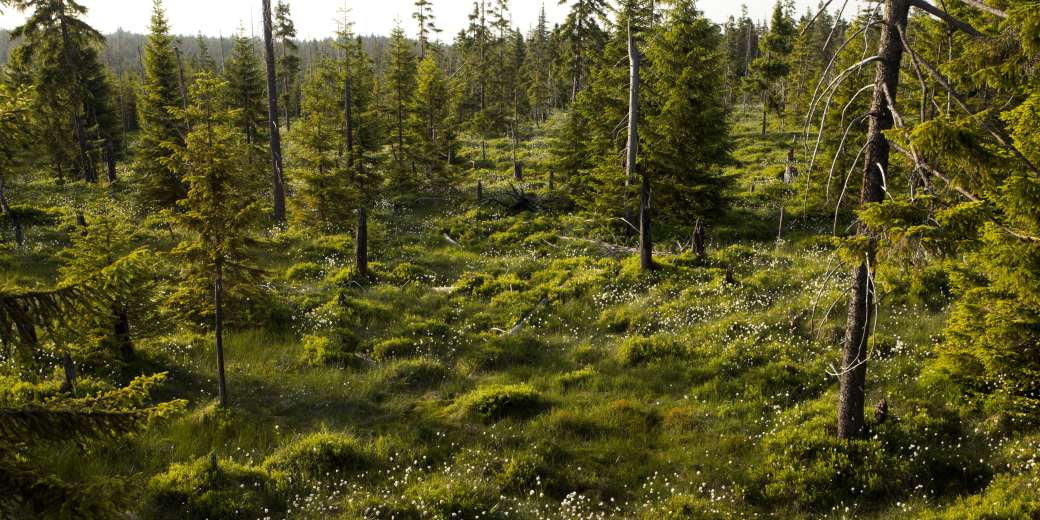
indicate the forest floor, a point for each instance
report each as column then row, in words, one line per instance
column 513, row 366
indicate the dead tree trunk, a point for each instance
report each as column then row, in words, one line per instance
column 218, row 331
column 277, row 175
column 480, row 191
column 861, row 298
column 361, row 246
column 646, row 243
column 646, row 261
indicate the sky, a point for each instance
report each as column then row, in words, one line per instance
column 319, row 18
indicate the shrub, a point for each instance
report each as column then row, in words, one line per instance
column 495, row 402
column 639, row 350
column 304, row 271
column 320, row 455
column 395, row 348
column 413, row 374
column 197, row 490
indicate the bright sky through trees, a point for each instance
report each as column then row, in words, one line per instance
column 319, row 18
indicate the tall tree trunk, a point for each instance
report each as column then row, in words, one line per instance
column 646, row 243
column 218, row 331
column 361, row 246
column 861, row 298
column 765, row 108
column 646, row 261
column 181, row 84
column 110, row 160
column 277, row 175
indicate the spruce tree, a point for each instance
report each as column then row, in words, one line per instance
column 770, row 71
column 428, row 125
column 584, row 38
column 400, row 85
column 687, row 138
column 246, row 94
column 221, row 208
column 325, row 194
column 426, row 22
column 288, row 62
column 60, row 50
column 538, row 69
column 159, row 186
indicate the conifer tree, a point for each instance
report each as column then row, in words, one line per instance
column 288, row 62
column 159, row 185
column 585, row 37
column 687, row 138
column 538, row 69
column 221, row 208
column 61, row 51
column 247, row 96
column 325, row 195
column 424, row 17
column 15, row 125
column 400, row 85
column 429, row 119
column 770, row 71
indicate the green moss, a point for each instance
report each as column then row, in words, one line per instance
column 320, row 456
column 639, row 350
column 496, row 402
column 304, row 271
column 395, row 348
column 197, row 490
column 415, row 374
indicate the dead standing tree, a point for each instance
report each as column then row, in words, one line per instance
column 277, row 173
column 881, row 117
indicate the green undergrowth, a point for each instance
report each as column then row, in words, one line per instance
column 499, row 365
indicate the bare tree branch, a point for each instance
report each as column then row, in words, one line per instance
column 997, row 133
column 946, row 17
column 977, row 4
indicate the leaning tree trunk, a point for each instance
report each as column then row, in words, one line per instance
column 361, row 246
column 861, row 298
column 277, row 176
column 218, row 331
